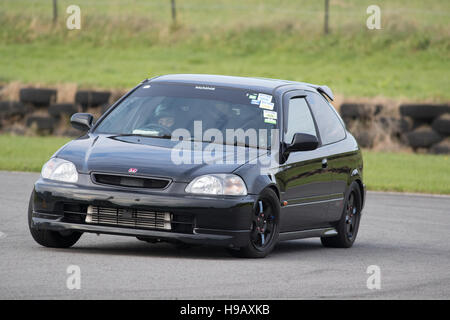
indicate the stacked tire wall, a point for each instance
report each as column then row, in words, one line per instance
column 38, row 112
column 421, row 128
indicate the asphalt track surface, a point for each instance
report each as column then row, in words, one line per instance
column 406, row 236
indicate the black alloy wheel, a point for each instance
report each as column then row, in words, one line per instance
column 265, row 227
column 348, row 226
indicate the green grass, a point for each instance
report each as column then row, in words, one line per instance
column 20, row 153
column 404, row 172
column 122, row 42
column 407, row 172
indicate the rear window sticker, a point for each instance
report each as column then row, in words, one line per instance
column 266, row 105
column 270, row 114
column 265, row 97
column 271, row 121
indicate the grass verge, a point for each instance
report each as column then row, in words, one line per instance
column 20, row 153
column 120, row 44
column 407, row 172
column 403, row 172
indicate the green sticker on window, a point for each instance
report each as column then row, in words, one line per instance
column 272, row 121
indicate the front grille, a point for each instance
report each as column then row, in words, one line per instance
column 128, row 181
column 128, row 217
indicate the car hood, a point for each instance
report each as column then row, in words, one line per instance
column 150, row 156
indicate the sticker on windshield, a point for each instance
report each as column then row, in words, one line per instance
column 270, row 114
column 252, row 96
column 266, row 105
column 271, row 121
column 265, row 97
column 146, row 87
column 256, row 102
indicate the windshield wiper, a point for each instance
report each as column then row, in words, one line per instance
column 236, row 143
column 140, row 135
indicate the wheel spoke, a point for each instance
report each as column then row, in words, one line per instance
column 264, row 224
column 261, row 208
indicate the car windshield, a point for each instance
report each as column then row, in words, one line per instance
column 158, row 110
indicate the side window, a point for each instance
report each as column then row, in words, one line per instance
column 299, row 119
column 328, row 123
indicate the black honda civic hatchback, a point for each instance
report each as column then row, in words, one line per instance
column 202, row 159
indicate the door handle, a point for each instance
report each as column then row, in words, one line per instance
column 324, row 163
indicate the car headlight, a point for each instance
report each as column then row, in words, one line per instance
column 218, row 184
column 59, row 170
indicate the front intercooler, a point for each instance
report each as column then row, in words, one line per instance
column 129, row 217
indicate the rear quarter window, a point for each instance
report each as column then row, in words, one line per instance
column 330, row 127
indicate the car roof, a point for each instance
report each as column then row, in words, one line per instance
column 257, row 84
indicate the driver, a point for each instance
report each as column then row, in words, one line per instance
column 165, row 117
column 166, row 120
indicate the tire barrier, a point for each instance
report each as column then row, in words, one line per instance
column 38, row 110
column 415, row 126
column 442, row 124
column 359, row 111
column 37, row 96
column 365, row 139
column 423, row 137
column 12, row 108
column 442, row 147
column 61, row 109
column 425, row 112
column 41, row 123
column 395, row 126
column 87, row 98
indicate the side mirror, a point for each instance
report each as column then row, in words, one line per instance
column 302, row 142
column 82, row 121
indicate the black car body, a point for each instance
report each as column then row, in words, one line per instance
column 128, row 184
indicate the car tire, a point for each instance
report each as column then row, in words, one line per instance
column 423, row 137
column 348, row 225
column 442, row 147
column 12, row 108
column 442, row 124
column 38, row 96
column 266, row 217
column 87, row 98
column 425, row 112
column 61, row 109
column 41, row 122
column 51, row 239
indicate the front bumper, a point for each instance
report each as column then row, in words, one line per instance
column 224, row 221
